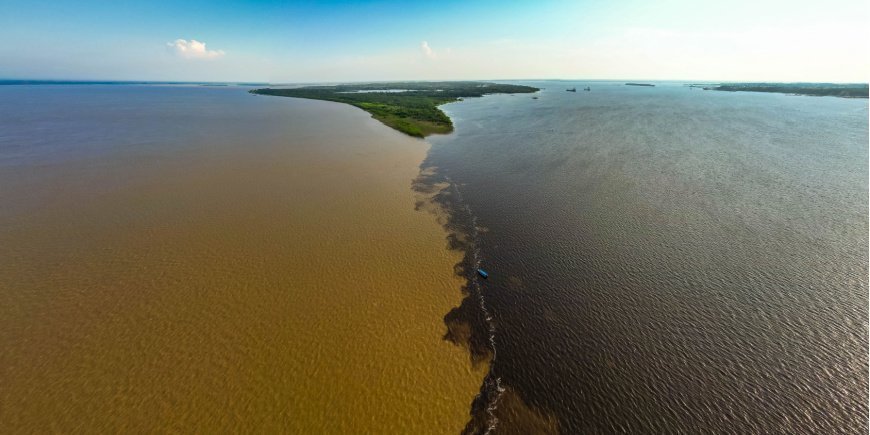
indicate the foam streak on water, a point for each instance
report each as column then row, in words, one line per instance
column 492, row 384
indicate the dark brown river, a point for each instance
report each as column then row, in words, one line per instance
column 666, row 259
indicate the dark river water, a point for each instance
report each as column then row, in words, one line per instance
column 666, row 259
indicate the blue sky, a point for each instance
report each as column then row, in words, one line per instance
column 318, row 41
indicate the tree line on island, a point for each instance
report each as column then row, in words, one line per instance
column 409, row 107
column 846, row 90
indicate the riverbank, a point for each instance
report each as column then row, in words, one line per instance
column 268, row 272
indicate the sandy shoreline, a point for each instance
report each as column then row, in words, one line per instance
column 285, row 285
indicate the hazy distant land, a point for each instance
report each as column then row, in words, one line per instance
column 410, row 107
column 847, row 90
column 33, row 82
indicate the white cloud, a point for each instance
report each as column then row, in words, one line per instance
column 427, row 50
column 192, row 49
column 441, row 55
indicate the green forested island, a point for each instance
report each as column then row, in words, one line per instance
column 848, row 90
column 410, row 107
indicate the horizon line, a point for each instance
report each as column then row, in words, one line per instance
column 20, row 81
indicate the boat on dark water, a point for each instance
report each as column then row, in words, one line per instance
column 482, row 273
column 571, row 90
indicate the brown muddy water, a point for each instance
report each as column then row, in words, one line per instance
column 200, row 259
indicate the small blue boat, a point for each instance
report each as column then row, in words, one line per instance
column 482, row 273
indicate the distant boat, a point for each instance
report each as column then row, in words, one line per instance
column 571, row 90
column 587, row 88
column 482, row 273
column 534, row 98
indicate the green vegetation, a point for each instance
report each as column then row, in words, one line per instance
column 410, row 107
column 849, row 90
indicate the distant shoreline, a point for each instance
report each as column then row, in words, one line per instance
column 811, row 89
